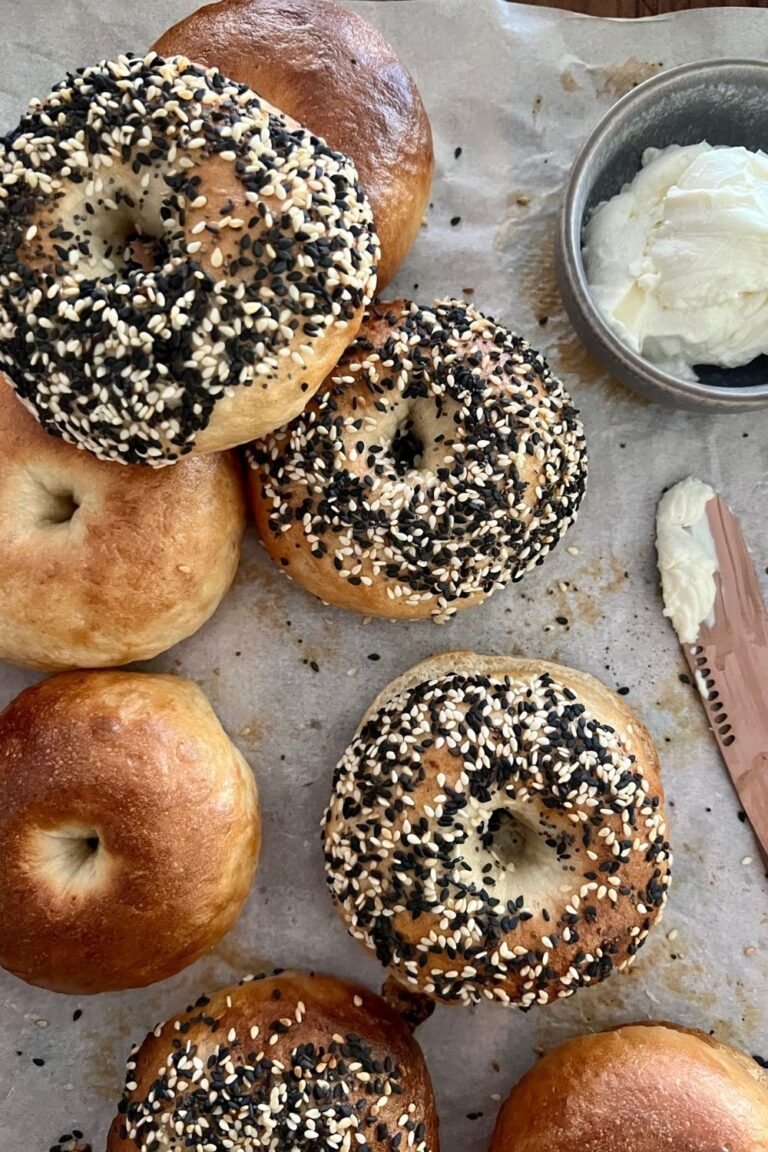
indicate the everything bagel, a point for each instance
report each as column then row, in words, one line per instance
column 497, row 830
column 296, row 1061
column 440, row 460
column 180, row 265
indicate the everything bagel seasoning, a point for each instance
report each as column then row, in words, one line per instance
column 433, row 781
column 244, row 1093
column 129, row 361
column 441, row 461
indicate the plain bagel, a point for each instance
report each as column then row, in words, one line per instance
column 130, row 830
column 645, row 1087
column 297, row 1061
column 180, row 265
column 497, row 830
column 104, row 565
column 331, row 70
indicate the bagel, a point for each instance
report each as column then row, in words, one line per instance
column 180, row 265
column 439, row 461
column 497, row 830
column 295, row 1061
column 646, row 1087
column 130, row 830
column 331, row 70
column 101, row 565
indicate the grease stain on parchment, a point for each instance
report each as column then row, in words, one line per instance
column 582, row 597
column 568, row 83
column 537, row 285
column 252, row 732
column 619, row 79
column 266, row 584
column 751, row 1019
column 679, row 707
column 523, row 206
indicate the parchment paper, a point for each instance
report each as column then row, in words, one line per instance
column 517, row 90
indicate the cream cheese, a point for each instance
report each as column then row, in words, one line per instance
column 687, row 557
column 677, row 262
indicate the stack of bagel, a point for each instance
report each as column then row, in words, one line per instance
column 194, row 244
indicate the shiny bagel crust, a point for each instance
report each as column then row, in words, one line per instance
column 643, row 1087
column 332, row 71
column 130, row 829
column 329, row 1057
column 103, row 565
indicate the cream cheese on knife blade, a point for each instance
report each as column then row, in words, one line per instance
column 687, row 557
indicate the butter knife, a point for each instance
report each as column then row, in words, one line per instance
column 712, row 594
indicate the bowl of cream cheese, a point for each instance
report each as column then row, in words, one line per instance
column 662, row 247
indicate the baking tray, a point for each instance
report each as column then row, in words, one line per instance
column 516, row 89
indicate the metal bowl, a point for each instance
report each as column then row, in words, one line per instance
column 720, row 101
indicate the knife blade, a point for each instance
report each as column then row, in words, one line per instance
column 728, row 655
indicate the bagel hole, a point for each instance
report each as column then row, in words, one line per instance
column 80, row 845
column 141, row 249
column 61, row 508
column 129, row 237
column 407, row 447
column 70, row 852
column 504, row 837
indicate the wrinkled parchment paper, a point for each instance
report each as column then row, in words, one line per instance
column 517, row 90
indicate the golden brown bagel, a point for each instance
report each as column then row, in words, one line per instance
column 440, row 460
column 129, row 827
column 329, row 1058
column 101, row 565
column 254, row 261
column 332, row 71
column 640, row 1088
column 497, row 830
